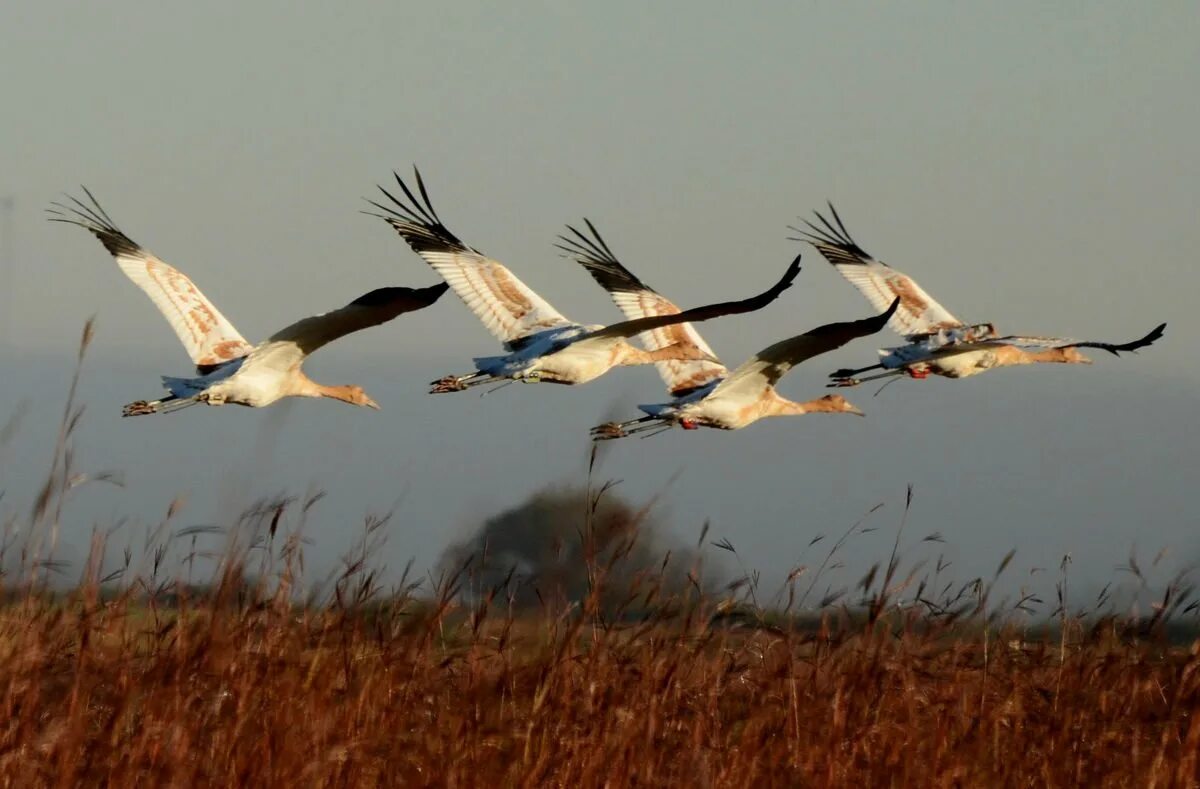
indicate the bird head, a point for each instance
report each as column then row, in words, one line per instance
column 356, row 396
column 836, row 404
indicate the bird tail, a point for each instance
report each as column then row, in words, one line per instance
column 492, row 365
column 183, row 387
column 657, row 409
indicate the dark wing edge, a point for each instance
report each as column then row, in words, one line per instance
column 774, row 361
column 94, row 219
column 418, row 297
column 1129, row 347
column 859, row 328
column 416, row 220
column 832, row 240
column 697, row 314
column 370, row 309
column 595, row 255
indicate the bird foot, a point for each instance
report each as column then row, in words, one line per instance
column 608, row 431
column 140, row 407
column 450, row 383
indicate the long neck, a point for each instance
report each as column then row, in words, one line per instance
column 1011, row 355
column 1054, row 355
column 781, row 406
column 307, row 387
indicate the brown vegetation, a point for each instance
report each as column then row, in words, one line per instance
column 250, row 692
column 570, row 669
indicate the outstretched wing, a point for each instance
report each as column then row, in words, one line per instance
column 288, row 348
column 879, row 282
column 209, row 338
column 507, row 306
column 707, row 312
column 1062, row 342
column 767, row 366
column 637, row 300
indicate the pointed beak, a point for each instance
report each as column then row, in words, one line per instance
column 853, row 409
column 369, row 403
column 708, row 357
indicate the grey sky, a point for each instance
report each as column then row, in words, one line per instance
column 1032, row 164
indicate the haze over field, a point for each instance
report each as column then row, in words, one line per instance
column 1030, row 165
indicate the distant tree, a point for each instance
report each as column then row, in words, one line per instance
column 552, row 548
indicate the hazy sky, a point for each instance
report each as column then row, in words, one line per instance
column 1031, row 164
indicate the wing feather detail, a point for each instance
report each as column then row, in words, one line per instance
column 767, row 366
column 914, row 354
column 637, row 300
column 209, row 338
column 1116, row 349
column 630, row 328
column 881, row 284
column 506, row 306
column 287, row 348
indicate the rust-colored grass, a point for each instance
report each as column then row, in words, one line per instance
column 153, row 682
column 252, row 693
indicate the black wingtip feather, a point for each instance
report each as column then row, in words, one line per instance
column 594, row 254
column 833, row 234
column 707, row 312
column 383, row 296
column 416, row 219
column 793, row 270
column 95, row 220
column 887, row 314
column 437, row 290
column 599, row 238
column 858, row 328
column 425, row 195
column 1129, row 347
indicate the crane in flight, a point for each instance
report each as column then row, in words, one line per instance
column 228, row 368
column 937, row 342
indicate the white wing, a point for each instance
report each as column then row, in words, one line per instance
column 208, row 336
column 507, row 306
column 637, row 300
column 881, row 284
column 287, row 348
column 767, row 366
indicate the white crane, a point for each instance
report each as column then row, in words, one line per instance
column 228, row 368
column 705, row 393
column 541, row 344
column 938, row 342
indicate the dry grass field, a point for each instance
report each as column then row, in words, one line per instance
column 598, row 674
column 233, row 690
